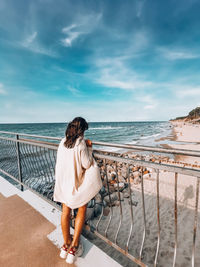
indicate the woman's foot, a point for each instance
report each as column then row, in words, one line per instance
column 74, row 252
column 64, row 249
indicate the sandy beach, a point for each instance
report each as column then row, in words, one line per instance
column 186, row 132
column 186, row 193
column 190, row 134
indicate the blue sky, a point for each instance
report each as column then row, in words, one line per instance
column 105, row 60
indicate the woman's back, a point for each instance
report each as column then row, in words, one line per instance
column 70, row 166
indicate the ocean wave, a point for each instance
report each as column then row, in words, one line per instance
column 149, row 136
column 106, row 128
column 109, row 149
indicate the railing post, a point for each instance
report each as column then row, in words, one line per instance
column 19, row 162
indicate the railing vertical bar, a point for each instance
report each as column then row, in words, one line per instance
column 42, row 153
column 131, row 209
column 12, row 152
column 51, row 167
column 19, row 162
column 111, row 214
column 42, row 177
column 6, row 145
column 158, row 218
column 120, row 205
column 144, row 214
column 175, row 218
column 49, row 175
column 195, row 222
column 38, row 168
column 44, row 173
column 30, row 153
column 37, row 153
column 27, row 158
column 101, row 215
column 23, row 161
column 54, row 156
column 12, row 149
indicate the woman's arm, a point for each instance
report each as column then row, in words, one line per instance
column 86, row 154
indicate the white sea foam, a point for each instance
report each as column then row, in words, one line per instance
column 149, row 136
column 106, row 128
column 108, row 148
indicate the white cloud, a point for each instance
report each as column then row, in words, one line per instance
column 149, row 102
column 73, row 90
column 177, row 54
column 114, row 73
column 32, row 44
column 30, row 39
column 145, row 99
column 69, row 28
column 2, row 89
column 84, row 25
column 150, row 107
column 187, row 91
column 115, row 70
column 71, row 36
column 173, row 55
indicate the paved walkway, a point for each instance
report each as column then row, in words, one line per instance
column 30, row 233
column 23, row 232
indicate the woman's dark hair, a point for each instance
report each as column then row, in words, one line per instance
column 75, row 129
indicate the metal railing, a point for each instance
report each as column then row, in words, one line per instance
column 31, row 163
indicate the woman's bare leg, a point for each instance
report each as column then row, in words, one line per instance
column 65, row 224
column 79, row 222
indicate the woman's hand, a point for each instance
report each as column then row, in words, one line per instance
column 88, row 142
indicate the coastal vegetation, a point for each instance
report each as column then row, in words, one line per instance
column 193, row 116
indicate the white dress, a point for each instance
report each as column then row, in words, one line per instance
column 69, row 173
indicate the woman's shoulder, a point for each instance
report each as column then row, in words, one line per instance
column 80, row 142
column 61, row 142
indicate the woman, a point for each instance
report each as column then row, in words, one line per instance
column 73, row 158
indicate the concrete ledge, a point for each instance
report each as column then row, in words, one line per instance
column 92, row 256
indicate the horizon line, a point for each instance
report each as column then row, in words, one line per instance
column 87, row 121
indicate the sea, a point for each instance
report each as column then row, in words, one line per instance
column 141, row 133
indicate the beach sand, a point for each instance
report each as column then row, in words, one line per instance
column 186, row 194
column 186, row 131
column 190, row 134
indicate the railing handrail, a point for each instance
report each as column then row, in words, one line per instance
column 32, row 135
column 149, row 164
column 185, row 152
column 153, row 149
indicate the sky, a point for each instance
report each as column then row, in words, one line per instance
column 105, row 60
